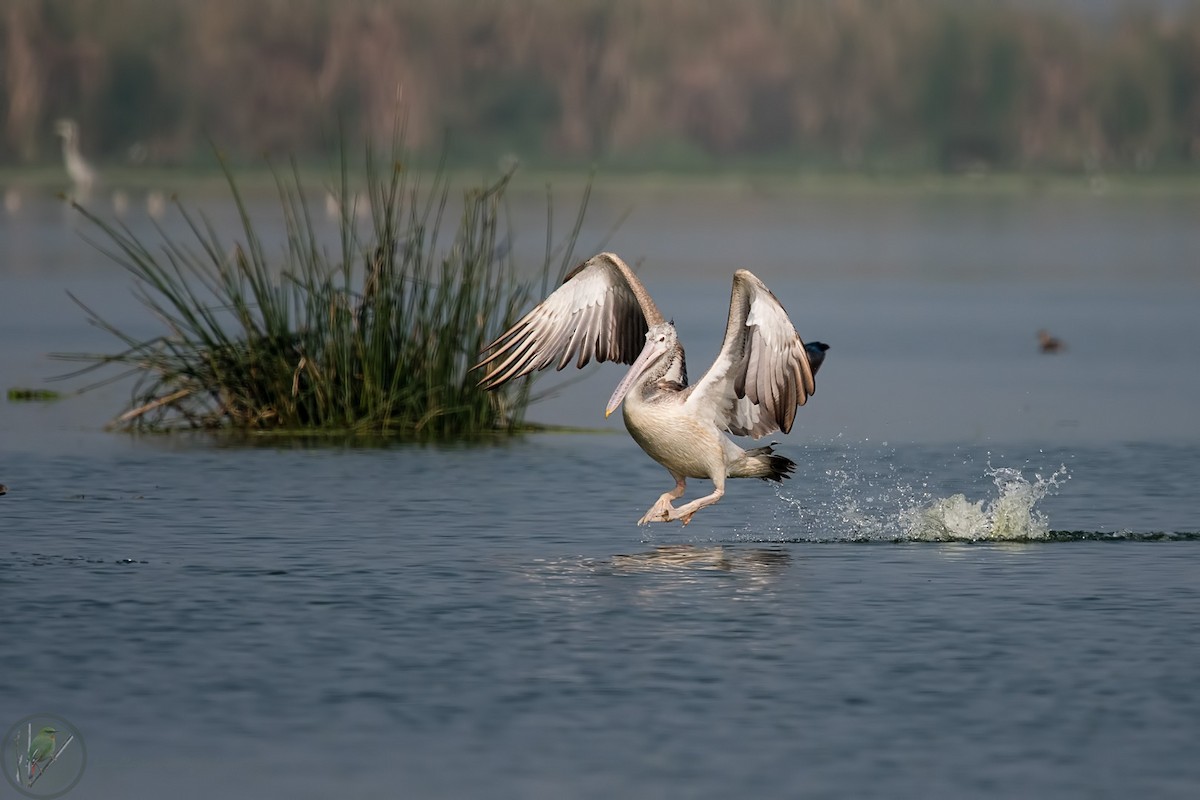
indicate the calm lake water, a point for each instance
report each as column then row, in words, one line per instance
column 982, row 581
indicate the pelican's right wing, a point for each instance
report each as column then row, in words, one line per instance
column 601, row 311
column 762, row 373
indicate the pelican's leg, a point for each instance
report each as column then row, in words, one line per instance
column 663, row 510
column 685, row 513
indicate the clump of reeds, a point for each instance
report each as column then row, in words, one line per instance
column 379, row 337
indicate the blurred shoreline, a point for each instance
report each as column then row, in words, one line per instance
column 926, row 85
column 787, row 180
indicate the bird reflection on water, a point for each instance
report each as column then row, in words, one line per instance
column 669, row 557
column 684, row 566
column 666, row 569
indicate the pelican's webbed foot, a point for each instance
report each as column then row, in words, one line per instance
column 684, row 518
column 685, row 512
column 662, row 511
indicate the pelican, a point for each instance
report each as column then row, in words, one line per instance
column 80, row 172
column 762, row 374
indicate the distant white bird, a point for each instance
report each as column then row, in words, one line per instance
column 762, row 374
column 82, row 176
column 156, row 203
column 12, row 200
column 358, row 206
column 120, row 202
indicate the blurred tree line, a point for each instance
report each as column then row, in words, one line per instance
column 955, row 84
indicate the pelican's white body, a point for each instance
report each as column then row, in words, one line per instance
column 675, row 437
column 761, row 375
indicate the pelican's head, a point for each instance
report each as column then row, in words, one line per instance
column 661, row 341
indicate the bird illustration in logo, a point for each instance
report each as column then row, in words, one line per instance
column 41, row 750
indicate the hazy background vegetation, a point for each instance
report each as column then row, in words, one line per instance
column 839, row 84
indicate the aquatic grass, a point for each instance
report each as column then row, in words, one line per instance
column 379, row 337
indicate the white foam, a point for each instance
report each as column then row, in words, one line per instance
column 855, row 506
column 1011, row 515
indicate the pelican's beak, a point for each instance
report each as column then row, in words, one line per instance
column 650, row 353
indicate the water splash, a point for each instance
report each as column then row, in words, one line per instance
column 876, row 502
column 1012, row 515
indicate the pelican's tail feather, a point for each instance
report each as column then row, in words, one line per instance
column 764, row 463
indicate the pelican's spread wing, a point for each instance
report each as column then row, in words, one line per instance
column 600, row 311
column 762, row 373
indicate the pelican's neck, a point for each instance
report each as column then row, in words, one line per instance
column 676, row 366
column 667, row 375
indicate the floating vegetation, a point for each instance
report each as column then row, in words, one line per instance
column 21, row 395
column 377, row 338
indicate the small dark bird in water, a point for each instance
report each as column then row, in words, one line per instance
column 1048, row 343
column 3, row 489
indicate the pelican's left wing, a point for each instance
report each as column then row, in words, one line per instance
column 762, row 373
column 600, row 311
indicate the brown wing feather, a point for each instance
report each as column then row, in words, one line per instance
column 762, row 373
column 601, row 311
